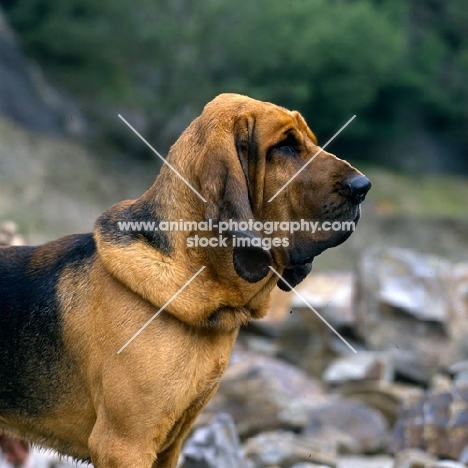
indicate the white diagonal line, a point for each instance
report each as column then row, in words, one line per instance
column 161, row 309
column 313, row 310
column 163, row 160
column 312, row 158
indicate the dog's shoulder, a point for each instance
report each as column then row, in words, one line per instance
column 29, row 275
column 26, row 267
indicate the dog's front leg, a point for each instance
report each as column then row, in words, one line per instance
column 112, row 449
column 170, row 456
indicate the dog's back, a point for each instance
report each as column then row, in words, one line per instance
column 31, row 345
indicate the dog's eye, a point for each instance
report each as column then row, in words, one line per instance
column 288, row 147
column 288, row 150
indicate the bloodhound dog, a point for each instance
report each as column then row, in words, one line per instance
column 69, row 307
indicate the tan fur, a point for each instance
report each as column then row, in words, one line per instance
column 134, row 409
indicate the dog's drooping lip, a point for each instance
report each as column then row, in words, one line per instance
column 305, row 254
column 301, row 260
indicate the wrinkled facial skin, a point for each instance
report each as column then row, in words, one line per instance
column 316, row 194
column 261, row 162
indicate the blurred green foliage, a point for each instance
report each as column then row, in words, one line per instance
column 396, row 64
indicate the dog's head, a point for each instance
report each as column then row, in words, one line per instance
column 261, row 162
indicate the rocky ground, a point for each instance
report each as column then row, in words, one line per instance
column 296, row 396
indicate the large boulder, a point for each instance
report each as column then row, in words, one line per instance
column 348, row 425
column 303, row 338
column 405, row 307
column 264, row 394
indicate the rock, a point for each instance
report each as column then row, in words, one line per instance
column 406, row 280
column 404, row 308
column 459, row 371
column 436, row 417
column 378, row 461
column 213, row 446
column 9, row 228
column 437, row 422
column 358, row 367
column 459, row 317
column 304, row 339
column 332, row 294
column 413, row 458
column 308, row 465
column 440, row 382
column 259, row 344
column 285, row 449
column 27, row 98
column 409, row 427
column 386, row 397
column 263, row 393
column 463, row 458
column 42, row 458
column 447, row 464
column 352, row 426
column 9, row 235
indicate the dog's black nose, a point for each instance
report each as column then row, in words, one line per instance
column 357, row 188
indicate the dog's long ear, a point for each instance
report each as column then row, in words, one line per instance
column 226, row 181
column 293, row 276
